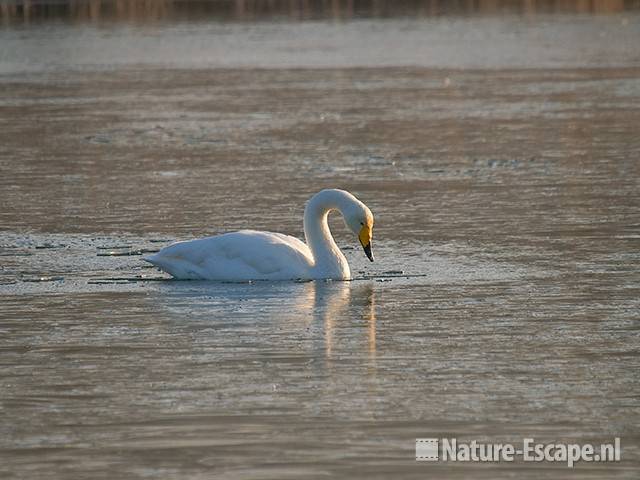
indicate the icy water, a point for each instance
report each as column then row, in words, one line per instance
column 500, row 156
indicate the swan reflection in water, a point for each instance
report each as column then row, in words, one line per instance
column 332, row 318
column 342, row 308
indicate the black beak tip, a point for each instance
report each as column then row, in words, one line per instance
column 367, row 251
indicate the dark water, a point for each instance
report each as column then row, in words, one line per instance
column 504, row 175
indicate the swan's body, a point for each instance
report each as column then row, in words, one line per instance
column 252, row 255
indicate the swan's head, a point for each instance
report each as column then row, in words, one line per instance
column 359, row 220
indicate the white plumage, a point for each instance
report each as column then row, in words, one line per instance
column 253, row 255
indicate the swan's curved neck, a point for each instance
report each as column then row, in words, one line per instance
column 329, row 260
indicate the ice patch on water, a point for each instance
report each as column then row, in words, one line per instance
column 55, row 263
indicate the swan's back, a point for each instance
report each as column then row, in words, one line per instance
column 237, row 256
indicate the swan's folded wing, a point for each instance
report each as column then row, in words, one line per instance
column 238, row 256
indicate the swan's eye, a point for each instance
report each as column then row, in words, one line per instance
column 362, row 223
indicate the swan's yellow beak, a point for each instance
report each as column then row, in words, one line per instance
column 365, row 236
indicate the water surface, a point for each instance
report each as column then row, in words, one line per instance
column 503, row 302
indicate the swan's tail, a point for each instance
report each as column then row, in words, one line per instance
column 156, row 261
column 153, row 260
column 174, row 266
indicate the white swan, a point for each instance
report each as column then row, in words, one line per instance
column 251, row 255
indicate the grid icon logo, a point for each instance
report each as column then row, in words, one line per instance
column 427, row 449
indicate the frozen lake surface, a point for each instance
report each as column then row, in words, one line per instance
column 500, row 157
